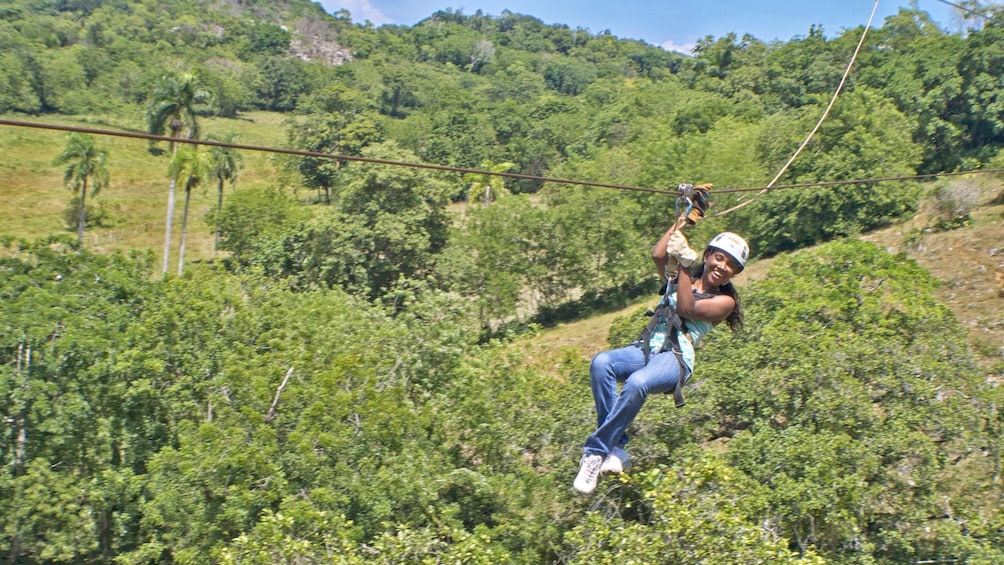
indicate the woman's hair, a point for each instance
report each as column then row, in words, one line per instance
column 735, row 318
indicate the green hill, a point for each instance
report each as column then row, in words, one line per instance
column 389, row 364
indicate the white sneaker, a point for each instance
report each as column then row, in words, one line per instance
column 616, row 462
column 589, row 472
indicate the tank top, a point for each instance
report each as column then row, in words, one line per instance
column 696, row 329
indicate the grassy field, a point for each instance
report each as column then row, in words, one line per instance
column 135, row 202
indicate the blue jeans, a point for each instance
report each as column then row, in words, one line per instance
column 615, row 413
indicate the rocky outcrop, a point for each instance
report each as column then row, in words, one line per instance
column 318, row 49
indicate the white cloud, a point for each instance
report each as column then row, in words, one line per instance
column 686, row 48
column 361, row 10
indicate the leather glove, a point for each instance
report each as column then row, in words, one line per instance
column 678, row 249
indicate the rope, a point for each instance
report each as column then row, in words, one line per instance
column 822, row 118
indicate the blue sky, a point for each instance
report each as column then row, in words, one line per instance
column 672, row 24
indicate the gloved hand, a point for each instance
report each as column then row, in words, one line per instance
column 678, row 249
column 698, row 201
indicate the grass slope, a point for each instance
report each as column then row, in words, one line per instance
column 135, row 201
column 969, row 262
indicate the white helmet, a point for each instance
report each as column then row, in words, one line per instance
column 733, row 245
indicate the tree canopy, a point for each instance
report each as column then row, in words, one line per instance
column 355, row 380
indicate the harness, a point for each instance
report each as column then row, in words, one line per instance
column 663, row 334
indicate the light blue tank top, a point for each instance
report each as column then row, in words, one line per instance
column 696, row 329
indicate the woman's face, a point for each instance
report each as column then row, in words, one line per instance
column 719, row 267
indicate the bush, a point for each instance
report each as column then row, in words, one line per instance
column 98, row 215
column 625, row 329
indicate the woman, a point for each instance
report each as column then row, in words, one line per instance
column 701, row 300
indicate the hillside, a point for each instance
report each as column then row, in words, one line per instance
column 969, row 262
column 351, row 376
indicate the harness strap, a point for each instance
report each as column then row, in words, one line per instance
column 678, row 389
column 676, row 326
column 664, row 314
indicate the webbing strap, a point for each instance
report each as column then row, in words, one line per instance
column 674, row 323
column 672, row 344
column 676, row 326
column 678, row 389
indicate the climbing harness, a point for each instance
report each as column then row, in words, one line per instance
column 663, row 334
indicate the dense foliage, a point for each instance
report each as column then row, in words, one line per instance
column 230, row 418
column 343, row 387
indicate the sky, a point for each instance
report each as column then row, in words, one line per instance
column 675, row 25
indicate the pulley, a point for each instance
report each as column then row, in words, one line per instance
column 693, row 202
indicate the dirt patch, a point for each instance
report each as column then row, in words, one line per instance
column 969, row 263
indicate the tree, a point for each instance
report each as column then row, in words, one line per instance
column 485, row 186
column 864, row 137
column 481, row 53
column 251, row 216
column 16, row 86
column 700, row 510
column 67, row 450
column 403, row 207
column 190, row 165
column 269, row 39
column 567, row 76
column 398, row 95
column 86, row 163
column 224, row 164
column 173, row 107
column 920, row 71
column 341, row 132
column 843, row 396
column 491, row 252
column 284, row 81
column 387, row 223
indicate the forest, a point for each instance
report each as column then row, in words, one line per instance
column 320, row 357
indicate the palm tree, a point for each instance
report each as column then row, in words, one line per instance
column 86, row 163
column 483, row 185
column 225, row 163
column 190, row 165
column 173, row 106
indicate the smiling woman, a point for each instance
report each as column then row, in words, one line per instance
column 697, row 297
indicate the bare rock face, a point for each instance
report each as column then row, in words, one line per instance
column 318, row 49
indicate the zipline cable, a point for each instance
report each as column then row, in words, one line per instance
column 822, row 118
column 302, row 153
column 967, row 10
